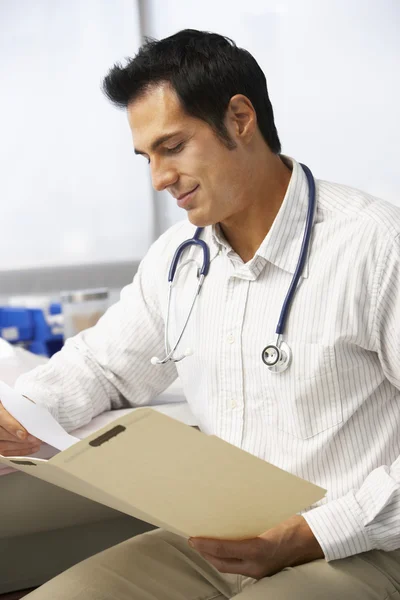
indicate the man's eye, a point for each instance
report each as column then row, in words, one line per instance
column 175, row 149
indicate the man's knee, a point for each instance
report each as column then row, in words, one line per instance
column 352, row 578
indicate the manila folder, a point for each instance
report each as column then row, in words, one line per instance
column 171, row 475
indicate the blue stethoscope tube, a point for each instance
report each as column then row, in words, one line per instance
column 277, row 355
column 182, row 247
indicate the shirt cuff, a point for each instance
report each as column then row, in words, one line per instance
column 338, row 528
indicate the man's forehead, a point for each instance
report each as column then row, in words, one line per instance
column 158, row 110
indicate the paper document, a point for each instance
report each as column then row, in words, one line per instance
column 36, row 419
column 157, row 469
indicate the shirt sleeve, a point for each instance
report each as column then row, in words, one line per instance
column 108, row 366
column 369, row 518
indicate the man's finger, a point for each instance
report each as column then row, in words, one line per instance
column 11, row 425
column 233, row 549
column 5, row 436
column 211, row 547
column 18, row 449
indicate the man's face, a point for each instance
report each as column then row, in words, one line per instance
column 187, row 158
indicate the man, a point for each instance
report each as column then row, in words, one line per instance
column 199, row 112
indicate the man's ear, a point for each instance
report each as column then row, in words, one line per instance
column 241, row 118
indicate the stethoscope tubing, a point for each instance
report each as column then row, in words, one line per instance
column 194, row 241
column 303, row 252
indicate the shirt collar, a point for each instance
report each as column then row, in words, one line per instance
column 283, row 242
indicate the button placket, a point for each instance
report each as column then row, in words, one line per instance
column 231, row 363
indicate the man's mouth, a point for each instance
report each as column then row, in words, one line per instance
column 183, row 199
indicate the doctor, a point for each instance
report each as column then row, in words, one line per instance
column 200, row 115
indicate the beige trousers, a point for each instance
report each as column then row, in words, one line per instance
column 161, row 566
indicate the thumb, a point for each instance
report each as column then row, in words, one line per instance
column 11, row 425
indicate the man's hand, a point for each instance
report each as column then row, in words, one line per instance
column 288, row 544
column 14, row 439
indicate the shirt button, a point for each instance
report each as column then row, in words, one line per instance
column 233, row 404
column 230, row 338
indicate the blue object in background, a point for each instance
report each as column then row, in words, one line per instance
column 30, row 328
column 55, row 308
column 16, row 324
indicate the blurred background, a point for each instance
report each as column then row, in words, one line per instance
column 78, row 211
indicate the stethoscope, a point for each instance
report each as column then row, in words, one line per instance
column 277, row 355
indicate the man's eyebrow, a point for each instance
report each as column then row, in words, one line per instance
column 159, row 141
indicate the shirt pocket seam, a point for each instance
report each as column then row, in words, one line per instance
column 301, row 392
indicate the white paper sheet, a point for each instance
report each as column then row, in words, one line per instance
column 36, row 419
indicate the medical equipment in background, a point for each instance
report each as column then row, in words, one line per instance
column 276, row 355
column 41, row 324
column 39, row 330
column 82, row 309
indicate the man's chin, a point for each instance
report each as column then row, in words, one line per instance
column 199, row 220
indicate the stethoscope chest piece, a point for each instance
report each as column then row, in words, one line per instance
column 277, row 358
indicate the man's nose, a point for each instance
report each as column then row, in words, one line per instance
column 162, row 177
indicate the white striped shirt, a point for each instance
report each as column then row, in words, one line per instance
column 333, row 417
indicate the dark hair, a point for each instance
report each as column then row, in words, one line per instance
column 205, row 70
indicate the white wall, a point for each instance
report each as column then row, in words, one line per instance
column 71, row 189
column 332, row 69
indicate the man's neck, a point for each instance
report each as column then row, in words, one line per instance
column 246, row 231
